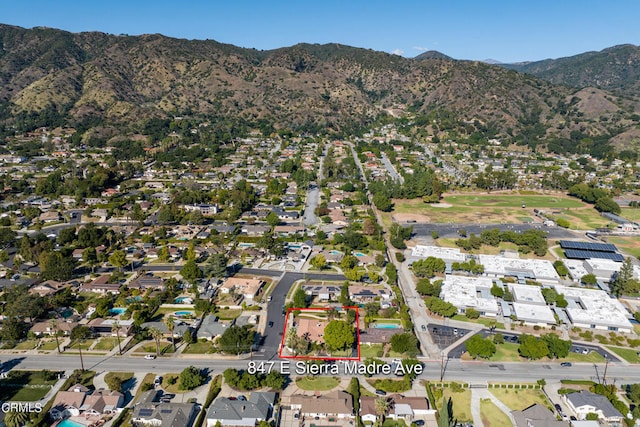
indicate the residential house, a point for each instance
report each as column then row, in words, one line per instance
column 147, row 281
column 337, row 404
column 104, row 327
column 44, row 328
column 366, row 294
column 585, row 402
column 211, row 329
column 151, row 411
column 78, row 401
column 178, row 330
column 313, row 329
column 100, row 285
column 248, row 288
column 377, row 335
column 408, row 409
column 229, row 412
column 537, row 415
column 322, row 292
column 50, row 216
column 47, row 288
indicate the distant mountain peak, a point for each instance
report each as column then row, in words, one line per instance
column 432, row 54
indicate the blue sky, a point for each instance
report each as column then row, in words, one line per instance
column 510, row 31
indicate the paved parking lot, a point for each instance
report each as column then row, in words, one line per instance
column 444, row 336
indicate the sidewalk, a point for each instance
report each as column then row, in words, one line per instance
column 478, row 394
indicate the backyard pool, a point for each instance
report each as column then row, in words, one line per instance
column 136, row 298
column 66, row 313
column 69, row 423
column 334, row 252
column 117, row 310
column 183, row 313
column 387, row 326
column 359, row 254
column 183, row 300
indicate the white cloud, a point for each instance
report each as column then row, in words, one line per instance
column 421, row 49
column 398, row 52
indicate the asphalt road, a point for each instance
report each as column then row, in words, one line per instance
column 451, row 230
column 270, row 342
column 473, row 372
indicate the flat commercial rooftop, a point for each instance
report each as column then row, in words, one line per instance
column 465, row 292
column 446, row 254
column 537, row 269
column 527, row 294
column 531, row 313
column 594, row 307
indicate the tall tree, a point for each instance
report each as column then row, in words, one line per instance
column 171, row 326
column 53, row 325
column 116, row 328
column 156, row 334
column 118, row 259
column 382, row 408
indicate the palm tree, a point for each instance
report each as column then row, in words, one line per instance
column 53, row 325
column 156, row 334
column 171, row 326
column 115, row 327
column 16, row 419
column 382, row 407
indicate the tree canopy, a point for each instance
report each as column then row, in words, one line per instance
column 339, row 335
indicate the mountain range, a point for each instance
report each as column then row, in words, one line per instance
column 117, row 83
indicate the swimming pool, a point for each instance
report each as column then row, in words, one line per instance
column 69, row 423
column 181, row 300
column 359, row 254
column 117, row 310
column 183, row 313
column 66, row 313
column 333, row 252
column 387, row 326
column 136, row 298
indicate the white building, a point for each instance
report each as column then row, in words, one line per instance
column 533, row 269
column 470, row 292
column 532, row 314
column 594, row 309
column 446, row 254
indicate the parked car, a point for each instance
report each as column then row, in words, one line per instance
column 381, row 392
column 296, row 415
column 419, row 422
column 271, row 324
column 565, row 364
column 269, row 298
column 424, row 328
column 149, row 356
column 157, row 381
column 242, row 397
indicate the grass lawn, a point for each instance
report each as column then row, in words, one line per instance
column 317, row 383
column 629, row 245
column 124, row 376
column 517, row 400
column 370, row 350
column 492, row 416
column 492, row 208
column 381, row 320
column 628, row 354
column 165, row 347
column 48, row 345
column 482, row 321
column 199, row 348
column 388, row 422
column 25, row 385
column 366, row 392
column 107, row 344
column 26, row 345
column 461, row 403
column 228, row 314
column 84, row 345
column 592, row 357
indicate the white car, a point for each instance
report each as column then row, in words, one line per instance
column 150, row 356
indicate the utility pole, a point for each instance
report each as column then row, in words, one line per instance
column 442, row 365
column 80, row 349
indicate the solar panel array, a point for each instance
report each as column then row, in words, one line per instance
column 580, row 254
column 588, row 246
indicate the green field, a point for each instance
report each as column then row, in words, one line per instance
column 461, row 402
column 492, row 416
column 628, row 354
column 107, row 344
column 494, row 208
column 629, row 245
column 26, row 386
column 199, row 348
column 26, row 345
column 508, row 352
column 517, row 399
column 370, row 350
column 514, row 201
column 317, row 383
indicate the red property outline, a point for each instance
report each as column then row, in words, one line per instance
column 284, row 334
